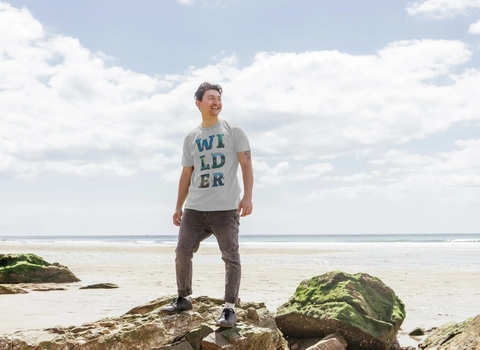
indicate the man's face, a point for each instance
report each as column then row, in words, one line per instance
column 211, row 104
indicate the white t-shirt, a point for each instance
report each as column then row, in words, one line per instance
column 213, row 154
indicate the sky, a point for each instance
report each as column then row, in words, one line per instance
column 363, row 116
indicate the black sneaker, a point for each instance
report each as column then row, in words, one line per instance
column 178, row 305
column 227, row 318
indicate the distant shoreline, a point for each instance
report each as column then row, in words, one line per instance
column 265, row 238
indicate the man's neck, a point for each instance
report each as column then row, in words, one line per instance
column 209, row 121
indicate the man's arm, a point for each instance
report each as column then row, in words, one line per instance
column 245, row 159
column 183, row 186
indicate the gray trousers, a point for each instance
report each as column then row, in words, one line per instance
column 197, row 226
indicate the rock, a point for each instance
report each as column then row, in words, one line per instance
column 195, row 337
column 396, row 346
column 302, row 343
column 318, row 343
column 11, row 290
column 47, row 288
column 330, row 342
column 463, row 335
column 255, row 328
column 191, row 341
column 147, row 328
column 417, row 332
column 240, row 337
column 360, row 307
column 325, row 313
column 182, row 346
column 30, row 268
column 100, row 286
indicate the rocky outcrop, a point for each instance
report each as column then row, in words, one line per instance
column 334, row 311
column 4, row 289
column 463, row 335
column 30, row 268
column 359, row 307
column 147, row 328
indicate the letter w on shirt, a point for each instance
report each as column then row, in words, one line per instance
column 208, row 143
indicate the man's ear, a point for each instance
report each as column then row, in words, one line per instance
column 197, row 102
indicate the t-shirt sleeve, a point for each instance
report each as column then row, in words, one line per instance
column 241, row 141
column 187, row 157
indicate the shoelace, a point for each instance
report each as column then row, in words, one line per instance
column 227, row 312
column 176, row 301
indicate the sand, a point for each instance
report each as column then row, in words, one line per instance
column 271, row 275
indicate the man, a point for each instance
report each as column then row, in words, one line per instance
column 210, row 190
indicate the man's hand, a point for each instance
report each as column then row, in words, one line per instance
column 245, row 159
column 177, row 217
column 183, row 185
column 245, row 207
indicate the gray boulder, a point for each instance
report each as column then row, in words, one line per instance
column 361, row 308
column 449, row 336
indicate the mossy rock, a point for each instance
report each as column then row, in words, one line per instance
column 30, row 268
column 360, row 307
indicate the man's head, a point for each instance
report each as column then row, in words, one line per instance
column 205, row 87
column 209, row 100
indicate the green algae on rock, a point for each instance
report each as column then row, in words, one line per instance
column 359, row 307
column 30, row 268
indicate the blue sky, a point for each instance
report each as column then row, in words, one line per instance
column 363, row 116
column 161, row 37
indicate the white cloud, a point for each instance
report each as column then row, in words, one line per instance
column 67, row 110
column 342, row 192
column 318, row 168
column 216, row 3
column 466, row 159
column 316, row 103
column 439, row 9
column 360, row 177
column 449, row 175
column 64, row 109
column 282, row 172
column 474, row 28
column 186, row 2
column 17, row 25
column 444, row 177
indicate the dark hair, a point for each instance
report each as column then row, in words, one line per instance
column 205, row 87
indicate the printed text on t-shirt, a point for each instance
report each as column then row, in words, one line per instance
column 216, row 161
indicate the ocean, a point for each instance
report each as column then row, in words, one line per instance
column 262, row 239
column 452, row 251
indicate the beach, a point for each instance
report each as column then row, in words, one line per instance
column 437, row 282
